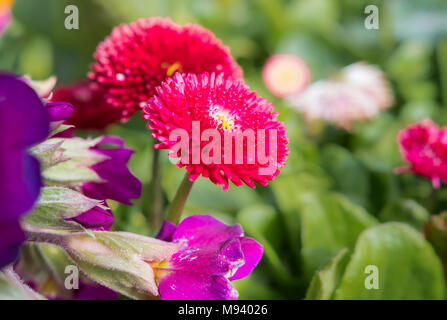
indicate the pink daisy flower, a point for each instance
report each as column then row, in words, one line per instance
column 194, row 104
column 424, row 146
column 137, row 57
column 285, row 74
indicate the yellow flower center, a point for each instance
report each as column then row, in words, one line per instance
column 159, row 268
column 223, row 119
column 171, row 68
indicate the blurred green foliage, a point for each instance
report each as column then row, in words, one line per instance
column 331, row 211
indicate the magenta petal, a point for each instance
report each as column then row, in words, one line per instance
column 215, row 259
column 166, row 231
column 59, row 111
column 252, row 255
column 212, row 254
column 196, row 286
column 203, row 230
column 96, row 219
column 119, row 183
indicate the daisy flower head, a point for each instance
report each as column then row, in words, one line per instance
column 226, row 131
column 424, row 146
column 137, row 57
column 285, row 74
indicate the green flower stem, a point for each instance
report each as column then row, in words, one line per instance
column 177, row 205
column 157, row 195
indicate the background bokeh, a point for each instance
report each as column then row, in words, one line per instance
column 338, row 189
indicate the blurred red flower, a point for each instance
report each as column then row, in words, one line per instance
column 91, row 110
column 137, row 57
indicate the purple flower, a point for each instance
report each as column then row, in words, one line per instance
column 119, row 183
column 94, row 291
column 96, row 219
column 59, row 111
column 23, row 123
column 213, row 254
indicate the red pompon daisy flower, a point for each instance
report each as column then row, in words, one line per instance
column 226, row 131
column 137, row 57
column 91, row 110
column 424, row 146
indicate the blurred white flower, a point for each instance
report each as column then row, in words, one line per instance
column 370, row 79
column 358, row 92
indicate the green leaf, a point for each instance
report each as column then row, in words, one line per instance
column 348, row 174
column 405, row 210
column 119, row 260
column 325, row 282
column 55, row 205
column 253, row 288
column 289, row 190
column 261, row 222
column 435, row 232
column 329, row 223
column 301, row 183
column 407, row 265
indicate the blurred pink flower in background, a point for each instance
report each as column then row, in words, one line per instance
column 5, row 14
column 285, row 74
column 358, row 92
column 91, row 110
